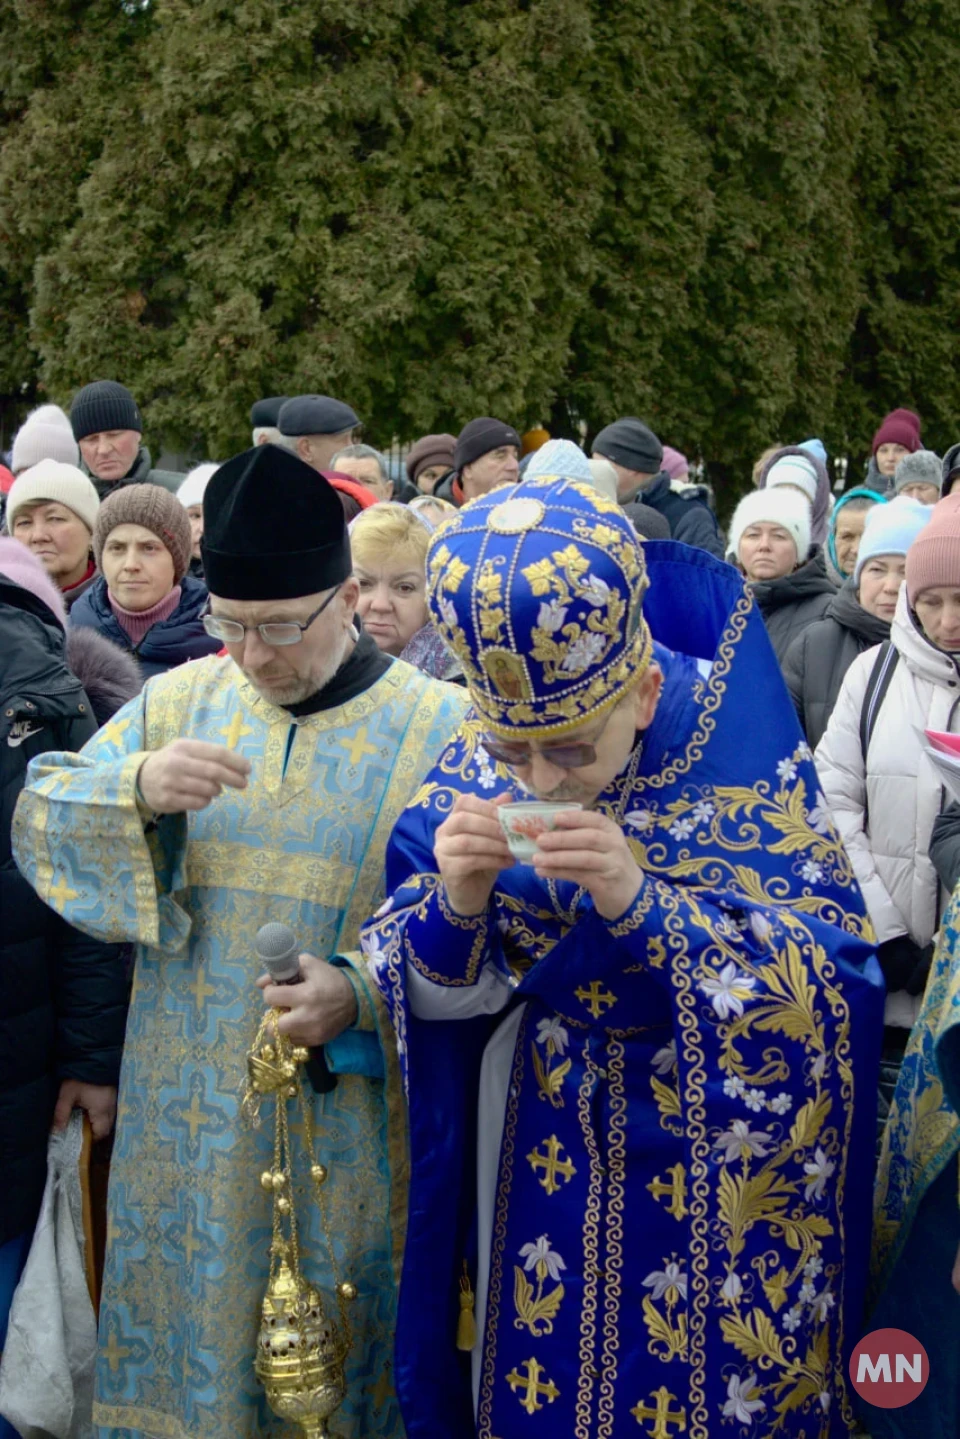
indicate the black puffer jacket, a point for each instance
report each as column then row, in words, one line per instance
column 687, row 512
column 63, row 997
column 818, row 659
column 794, row 601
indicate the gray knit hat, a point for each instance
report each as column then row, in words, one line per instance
column 923, row 467
column 155, row 509
column 44, row 435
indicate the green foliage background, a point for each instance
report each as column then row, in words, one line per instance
column 736, row 218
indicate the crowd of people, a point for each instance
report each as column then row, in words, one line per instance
column 301, row 686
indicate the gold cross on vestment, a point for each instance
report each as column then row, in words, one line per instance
column 661, row 1416
column 235, row 730
column 113, row 730
column 551, row 1164
column 114, row 1352
column 191, row 1244
column 61, row 893
column 596, row 998
column 357, row 747
column 676, row 1189
column 531, row 1383
column 194, row 1117
column 200, row 989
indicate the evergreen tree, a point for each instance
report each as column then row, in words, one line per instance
column 904, row 348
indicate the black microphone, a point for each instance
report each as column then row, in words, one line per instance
column 279, row 953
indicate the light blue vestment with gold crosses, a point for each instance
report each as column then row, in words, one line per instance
column 189, row 1226
column 663, row 1201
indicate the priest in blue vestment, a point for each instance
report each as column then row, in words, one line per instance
column 640, row 1069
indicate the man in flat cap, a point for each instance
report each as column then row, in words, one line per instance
column 265, row 420
column 637, row 456
column 486, row 455
column 107, row 426
column 315, row 427
column 639, row 1007
column 234, row 791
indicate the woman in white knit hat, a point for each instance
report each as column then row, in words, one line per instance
column 190, row 495
column 770, row 543
column 44, row 435
column 52, row 509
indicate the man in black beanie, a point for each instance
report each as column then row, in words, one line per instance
column 107, row 426
column 487, row 455
column 257, row 786
column 637, row 456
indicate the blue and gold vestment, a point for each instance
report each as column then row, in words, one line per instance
column 189, row 1226
column 666, row 1205
column 917, row 1202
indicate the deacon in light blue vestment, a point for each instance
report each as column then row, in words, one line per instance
column 645, row 1144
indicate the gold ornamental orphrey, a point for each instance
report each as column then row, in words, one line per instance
column 301, row 1351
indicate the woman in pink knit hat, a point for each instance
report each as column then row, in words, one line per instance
column 884, row 793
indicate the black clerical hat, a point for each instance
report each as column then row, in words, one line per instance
column 273, row 529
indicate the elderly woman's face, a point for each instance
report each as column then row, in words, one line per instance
column 393, row 597
column 847, row 536
column 59, row 539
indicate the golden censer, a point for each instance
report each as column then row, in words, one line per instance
column 301, row 1351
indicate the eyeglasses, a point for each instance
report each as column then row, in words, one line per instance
column 564, row 756
column 287, row 632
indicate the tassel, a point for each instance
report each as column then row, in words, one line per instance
column 466, row 1324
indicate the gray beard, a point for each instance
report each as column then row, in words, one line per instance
column 299, row 690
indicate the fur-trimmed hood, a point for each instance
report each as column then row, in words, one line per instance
column 109, row 674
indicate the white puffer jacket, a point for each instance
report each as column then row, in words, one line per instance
column 886, row 809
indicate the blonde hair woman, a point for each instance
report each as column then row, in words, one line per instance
column 389, row 545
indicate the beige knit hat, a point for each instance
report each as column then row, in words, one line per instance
column 44, row 435
column 58, row 483
column 155, row 509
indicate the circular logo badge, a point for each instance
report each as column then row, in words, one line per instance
column 514, row 516
column 889, row 1368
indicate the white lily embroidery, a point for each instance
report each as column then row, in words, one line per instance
column 641, row 819
column 761, row 928
column 541, row 1257
column 583, row 652
column 371, row 946
column 792, row 1320
column 552, row 1029
column 385, row 908
column 822, row 1305
column 669, row 1281
column 740, row 1142
column 728, row 990
column 818, row 1171
column 741, row 1403
column 824, row 1398
column 551, row 616
column 819, row 1067
column 596, row 590
column 665, row 1059
column 732, row 1286
column 448, row 610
